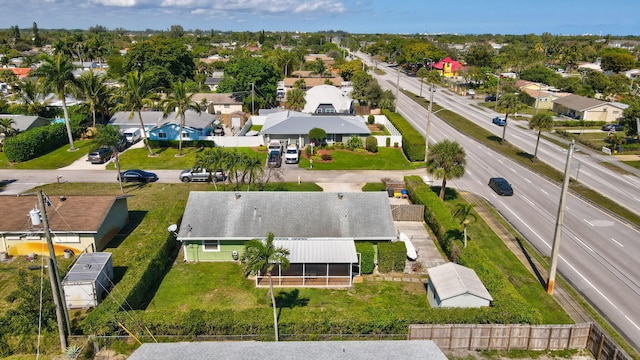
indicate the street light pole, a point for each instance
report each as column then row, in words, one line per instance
column 426, row 136
column 397, row 88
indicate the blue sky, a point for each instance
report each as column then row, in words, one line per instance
column 615, row 17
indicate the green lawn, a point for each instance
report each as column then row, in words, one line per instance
column 56, row 159
column 385, row 159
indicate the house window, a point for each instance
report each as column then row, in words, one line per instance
column 162, row 135
column 319, row 111
column 226, row 106
column 210, row 245
column 185, row 135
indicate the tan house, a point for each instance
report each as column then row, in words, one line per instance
column 543, row 95
column 584, row 108
column 214, row 103
column 310, row 82
column 77, row 223
column 327, row 60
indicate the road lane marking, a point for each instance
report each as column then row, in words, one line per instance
column 587, row 221
column 583, row 244
column 619, row 244
column 527, row 180
column 528, row 227
column 544, row 192
column 514, row 170
column 589, row 283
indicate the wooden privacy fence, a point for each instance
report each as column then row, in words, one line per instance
column 407, row 212
column 602, row 347
column 503, row 337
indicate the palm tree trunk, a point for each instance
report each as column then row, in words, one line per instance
column 180, row 136
column 67, row 122
column 464, row 230
column 504, row 128
column 273, row 302
column 118, row 169
column 144, row 134
column 443, row 187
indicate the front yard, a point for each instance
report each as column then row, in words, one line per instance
column 387, row 158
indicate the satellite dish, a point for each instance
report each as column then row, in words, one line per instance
column 172, row 228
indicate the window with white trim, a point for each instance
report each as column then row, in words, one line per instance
column 162, row 135
column 210, row 245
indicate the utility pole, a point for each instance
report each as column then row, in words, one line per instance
column 426, row 136
column 253, row 91
column 538, row 99
column 64, row 326
column 397, row 88
column 559, row 221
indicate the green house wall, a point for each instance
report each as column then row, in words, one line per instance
column 193, row 251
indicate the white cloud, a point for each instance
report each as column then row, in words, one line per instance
column 116, row 3
column 233, row 6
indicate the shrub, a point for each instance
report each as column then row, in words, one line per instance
column 354, row 142
column 395, row 144
column 36, row 142
column 392, row 256
column 367, row 257
column 371, row 119
column 387, row 142
column 326, row 157
column 317, row 136
column 371, row 144
column 412, row 141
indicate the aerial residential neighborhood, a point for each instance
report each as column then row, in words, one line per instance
column 188, row 193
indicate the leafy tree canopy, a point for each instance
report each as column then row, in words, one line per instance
column 161, row 53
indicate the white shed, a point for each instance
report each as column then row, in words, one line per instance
column 453, row 285
column 87, row 282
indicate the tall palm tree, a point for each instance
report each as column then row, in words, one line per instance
column 253, row 166
column 260, row 257
column 179, row 100
column 510, row 104
column 108, row 135
column 135, row 95
column 56, row 75
column 295, row 99
column 421, row 74
column 540, row 122
column 464, row 214
column 93, row 91
column 29, row 94
column 446, row 160
column 6, row 126
column 211, row 159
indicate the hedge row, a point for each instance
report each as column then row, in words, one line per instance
column 413, row 143
column 392, row 256
column 185, row 144
column 36, row 142
column 367, row 257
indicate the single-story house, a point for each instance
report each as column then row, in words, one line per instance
column 271, row 350
column 25, row 122
column 218, row 103
column 311, row 82
column 453, row 285
column 327, row 100
column 543, row 95
column 293, row 127
column 77, row 223
column 584, row 108
column 196, row 126
column 328, row 61
column 319, row 229
column 127, row 120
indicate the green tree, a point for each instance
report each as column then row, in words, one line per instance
column 260, row 257
column 354, row 142
column 93, row 91
column 135, row 95
column 509, row 104
column 211, row 159
column 241, row 72
column 480, row 55
column 6, row 126
column 540, row 122
column 421, row 74
column 446, row 160
column 463, row 213
column 617, row 60
column 56, row 75
column 317, row 136
column 167, row 59
column 319, row 67
column 179, row 100
column 29, row 95
column 109, row 136
column 296, row 99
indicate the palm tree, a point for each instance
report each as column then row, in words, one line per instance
column 56, row 74
column 29, row 95
column 295, row 99
column 510, row 104
column 108, row 135
column 261, row 257
column 6, row 126
column 464, row 214
column 446, row 160
column 540, row 122
column 319, row 67
column 253, row 166
column 211, row 159
column 93, row 91
column 421, row 74
column 135, row 95
column 179, row 100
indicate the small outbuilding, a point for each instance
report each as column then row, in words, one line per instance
column 88, row 281
column 453, row 285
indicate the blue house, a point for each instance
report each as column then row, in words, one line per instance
column 196, row 127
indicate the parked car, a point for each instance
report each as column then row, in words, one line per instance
column 490, row 98
column 100, row 156
column 200, row 174
column 292, row 155
column 501, row 186
column 274, row 159
column 137, row 175
column 614, row 127
column 498, row 121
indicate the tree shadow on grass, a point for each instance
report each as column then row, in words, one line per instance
column 525, row 155
column 449, row 193
column 290, row 299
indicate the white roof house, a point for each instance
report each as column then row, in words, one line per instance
column 327, row 100
column 453, row 285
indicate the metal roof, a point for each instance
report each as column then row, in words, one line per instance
column 213, row 215
column 87, row 268
column 451, row 280
column 326, row 94
column 290, row 350
column 292, row 122
column 319, row 251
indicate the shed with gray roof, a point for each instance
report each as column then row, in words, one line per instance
column 453, row 285
column 318, row 228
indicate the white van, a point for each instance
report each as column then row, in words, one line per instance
column 133, row 135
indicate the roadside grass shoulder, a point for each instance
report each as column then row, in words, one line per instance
column 58, row 158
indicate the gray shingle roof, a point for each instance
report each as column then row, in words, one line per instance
column 320, row 215
column 290, row 350
column 451, row 280
column 291, row 122
column 577, row 102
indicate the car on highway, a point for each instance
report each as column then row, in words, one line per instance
column 498, row 121
column 614, row 127
column 501, row 186
column 138, row 176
